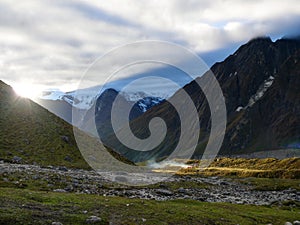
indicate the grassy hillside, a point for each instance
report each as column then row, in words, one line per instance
column 31, row 134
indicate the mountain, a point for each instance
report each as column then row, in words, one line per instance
column 101, row 111
column 260, row 83
column 81, row 101
column 84, row 99
column 31, row 134
column 62, row 104
column 261, row 86
column 144, row 101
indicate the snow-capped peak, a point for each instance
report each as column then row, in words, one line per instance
column 80, row 100
column 52, row 95
column 85, row 98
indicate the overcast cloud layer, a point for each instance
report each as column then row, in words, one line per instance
column 51, row 42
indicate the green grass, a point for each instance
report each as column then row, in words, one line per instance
column 19, row 206
column 31, row 132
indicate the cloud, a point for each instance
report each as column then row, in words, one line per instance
column 52, row 42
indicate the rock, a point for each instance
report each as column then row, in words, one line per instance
column 5, row 179
column 296, row 222
column 201, row 199
column 224, row 183
column 60, row 190
column 62, row 168
column 182, row 190
column 65, row 139
column 68, row 158
column 86, row 191
column 56, row 223
column 93, row 219
column 288, row 223
column 164, row 192
column 16, row 159
column 69, row 188
column 144, row 220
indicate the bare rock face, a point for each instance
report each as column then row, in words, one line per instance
column 259, row 83
column 93, row 219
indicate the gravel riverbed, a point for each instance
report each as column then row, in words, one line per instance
column 208, row 189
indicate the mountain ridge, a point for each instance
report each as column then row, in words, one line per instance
column 246, row 78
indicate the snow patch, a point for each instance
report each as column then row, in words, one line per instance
column 261, row 91
column 239, row 108
column 52, row 95
column 135, row 96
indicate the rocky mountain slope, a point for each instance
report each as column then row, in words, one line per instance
column 259, row 82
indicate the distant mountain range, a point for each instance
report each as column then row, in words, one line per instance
column 260, row 82
column 62, row 104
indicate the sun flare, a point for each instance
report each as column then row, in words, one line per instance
column 26, row 90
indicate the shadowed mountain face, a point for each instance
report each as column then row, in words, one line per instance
column 103, row 110
column 260, row 83
column 248, row 79
column 105, row 130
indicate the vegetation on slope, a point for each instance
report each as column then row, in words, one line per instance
column 31, row 134
column 288, row 168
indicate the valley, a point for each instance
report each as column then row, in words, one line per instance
column 45, row 179
column 33, row 194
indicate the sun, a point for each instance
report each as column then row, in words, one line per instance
column 27, row 90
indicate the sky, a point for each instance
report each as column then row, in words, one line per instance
column 50, row 43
